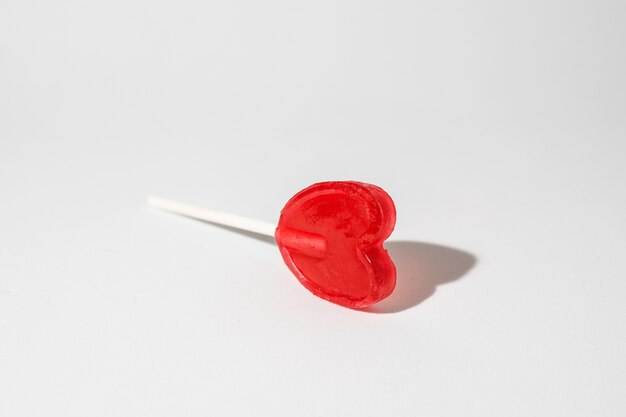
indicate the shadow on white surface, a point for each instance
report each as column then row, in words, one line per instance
column 254, row 235
column 421, row 268
column 258, row 236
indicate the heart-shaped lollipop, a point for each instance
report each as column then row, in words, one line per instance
column 331, row 237
column 331, row 234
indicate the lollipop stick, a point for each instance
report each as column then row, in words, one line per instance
column 212, row 216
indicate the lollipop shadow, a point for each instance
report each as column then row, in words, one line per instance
column 421, row 267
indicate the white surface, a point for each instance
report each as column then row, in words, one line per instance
column 498, row 127
column 212, row 216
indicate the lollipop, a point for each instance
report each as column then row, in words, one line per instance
column 330, row 235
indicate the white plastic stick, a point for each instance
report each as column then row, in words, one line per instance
column 212, row 216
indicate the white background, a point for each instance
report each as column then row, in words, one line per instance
column 498, row 127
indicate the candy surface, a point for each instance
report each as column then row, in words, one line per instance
column 331, row 235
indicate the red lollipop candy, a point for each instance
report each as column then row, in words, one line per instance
column 331, row 234
column 331, row 237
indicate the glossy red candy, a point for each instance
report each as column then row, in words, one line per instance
column 331, row 235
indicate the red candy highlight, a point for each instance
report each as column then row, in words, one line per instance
column 331, row 237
